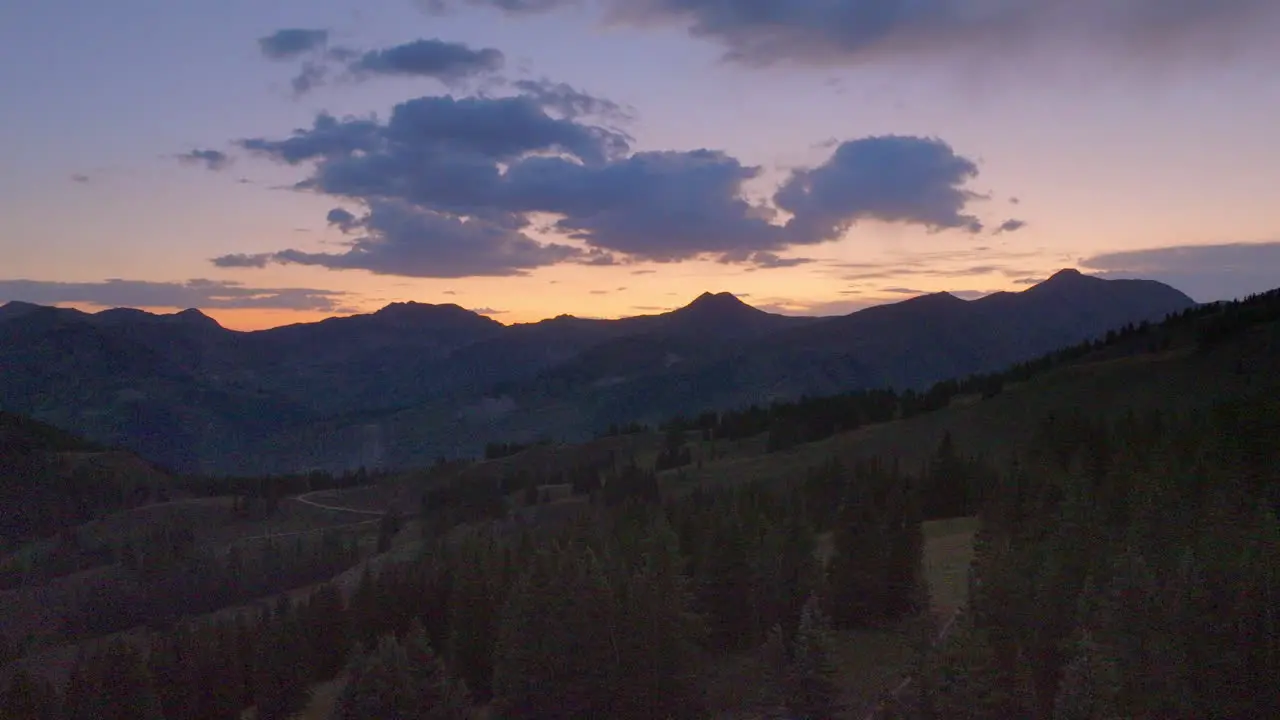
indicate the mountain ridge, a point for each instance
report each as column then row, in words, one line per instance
column 413, row 381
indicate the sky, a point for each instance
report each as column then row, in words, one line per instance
column 280, row 162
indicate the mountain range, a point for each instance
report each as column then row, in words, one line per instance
column 413, row 382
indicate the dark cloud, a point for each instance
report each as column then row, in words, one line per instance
column 568, row 102
column 402, row 239
column 193, row 293
column 1028, row 281
column 243, row 260
column 344, row 219
column 903, row 291
column 892, row 178
column 663, row 206
column 643, row 272
column 1010, row 225
column 446, row 61
column 1205, row 272
column 515, row 7
column 478, row 170
column 312, row 75
column 289, row 43
column 767, row 260
column 80, row 178
column 831, row 32
column 486, row 311
column 211, row 159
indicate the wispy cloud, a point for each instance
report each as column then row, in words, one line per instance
column 1205, row 272
column 197, row 293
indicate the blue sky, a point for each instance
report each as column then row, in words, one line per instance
column 808, row 161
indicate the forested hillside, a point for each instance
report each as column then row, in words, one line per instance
column 800, row 560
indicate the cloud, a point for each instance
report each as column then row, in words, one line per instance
column 903, row 291
column 343, row 219
column 401, row 239
column 289, row 43
column 211, row 159
column 442, row 170
column 768, row 260
column 1010, row 225
column 192, row 293
column 643, row 272
column 515, row 7
column 486, row 311
column 568, row 102
column 1205, row 272
column 892, row 178
column 855, row 32
column 80, row 178
column 446, row 61
column 312, row 75
column 449, row 62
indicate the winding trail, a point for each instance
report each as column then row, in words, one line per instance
column 305, row 499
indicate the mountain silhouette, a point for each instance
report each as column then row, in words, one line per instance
column 424, row 380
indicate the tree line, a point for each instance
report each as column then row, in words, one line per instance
column 613, row 613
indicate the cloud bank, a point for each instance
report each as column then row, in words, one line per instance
column 1205, row 272
column 208, row 294
column 835, row 32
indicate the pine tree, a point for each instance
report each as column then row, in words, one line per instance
column 856, row 570
column 811, row 690
column 113, row 684
column 28, row 697
column 558, row 647
column 1090, row 683
column 475, row 603
column 379, row 686
column 437, row 695
column 281, row 671
column 328, row 631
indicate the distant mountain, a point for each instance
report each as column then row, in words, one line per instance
column 413, row 381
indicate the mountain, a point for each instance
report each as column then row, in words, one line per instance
column 414, row 381
column 52, row 479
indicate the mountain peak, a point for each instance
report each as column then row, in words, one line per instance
column 717, row 302
column 1066, row 276
column 14, row 308
column 195, row 317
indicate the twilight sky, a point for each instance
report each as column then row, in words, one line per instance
column 273, row 162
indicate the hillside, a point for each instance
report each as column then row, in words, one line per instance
column 209, row 559
column 51, row 479
column 412, row 382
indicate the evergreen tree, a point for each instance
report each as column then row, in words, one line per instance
column 811, row 690
column 436, row 694
column 281, row 670
column 558, row 647
column 379, row 686
column 113, row 684
column 28, row 697
column 856, row 570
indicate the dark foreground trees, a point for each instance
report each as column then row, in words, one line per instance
column 1127, row 570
